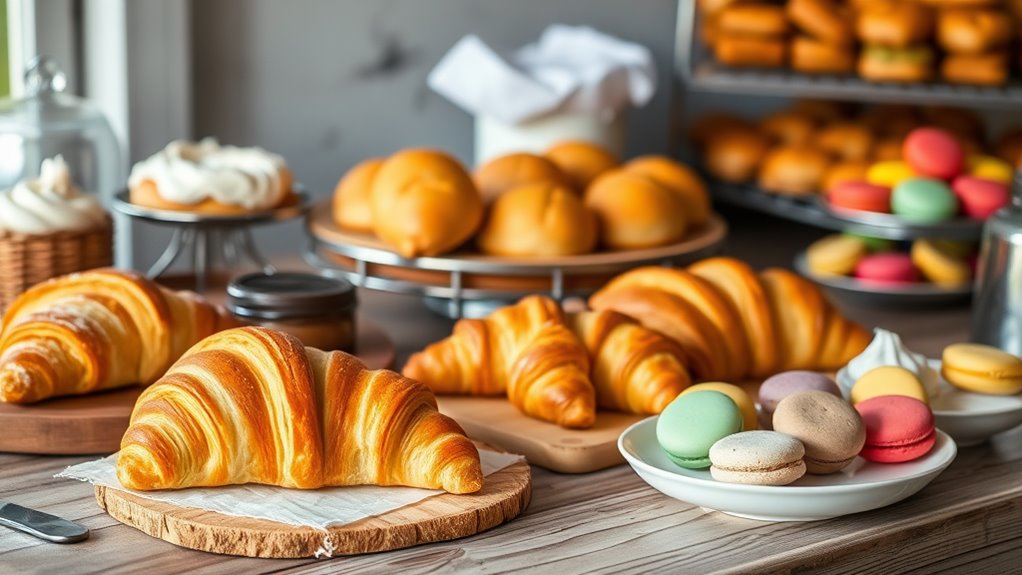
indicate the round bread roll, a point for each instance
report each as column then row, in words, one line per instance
column 733, row 156
column 712, row 124
column 679, row 179
column 753, row 19
column 973, row 31
column 897, row 24
column 581, row 162
column 793, row 170
column 884, row 64
column 824, row 20
column 510, row 171
column 843, row 172
column 635, row 212
column 743, row 51
column 850, row 141
column 979, row 70
column 424, row 203
column 537, row 220
column 352, row 208
column 815, row 57
column 788, row 128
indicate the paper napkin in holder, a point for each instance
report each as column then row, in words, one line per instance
column 574, row 83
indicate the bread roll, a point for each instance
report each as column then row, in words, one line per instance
column 733, row 156
column 635, row 212
column 750, row 51
column 908, row 65
column 788, row 128
column 897, row 24
column 816, row 57
column 824, row 20
column 978, row 70
column 965, row 31
column 541, row 219
column 581, row 162
column 679, row 179
column 510, row 171
column 424, row 203
column 887, row 149
column 752, row 19
column 850, row 141
column 352, row 207
column 793, row 170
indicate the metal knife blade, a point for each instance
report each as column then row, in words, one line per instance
column 41, row 525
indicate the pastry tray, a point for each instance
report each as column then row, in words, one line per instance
column 291, row 210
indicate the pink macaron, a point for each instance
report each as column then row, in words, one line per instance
column 860, row 196
column 980, row 198
column 898, row 428
column 933, row 152
column 887, row 268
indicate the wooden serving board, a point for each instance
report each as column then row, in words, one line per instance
column 93, row 424
column 495, row 421
column 505, row 494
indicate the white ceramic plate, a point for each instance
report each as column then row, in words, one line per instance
column 859, row 487
column 969, row 418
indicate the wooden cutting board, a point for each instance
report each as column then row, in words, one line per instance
column 495, row 421
column 505, row 494
column 94, row 424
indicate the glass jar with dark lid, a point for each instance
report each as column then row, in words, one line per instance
column 319, row 311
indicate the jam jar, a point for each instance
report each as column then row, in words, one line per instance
column 319, row 311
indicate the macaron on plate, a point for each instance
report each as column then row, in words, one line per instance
column 861, row 486
column 895, row 227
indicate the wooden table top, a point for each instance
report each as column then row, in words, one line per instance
column 968, row 520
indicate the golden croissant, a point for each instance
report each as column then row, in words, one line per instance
column 524, row 350
column 252, row 405
column 634, row 369
column 97, row 330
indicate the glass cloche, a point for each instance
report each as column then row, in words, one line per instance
column 48, row 122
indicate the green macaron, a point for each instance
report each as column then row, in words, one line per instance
column 692, row 423
column 924, row 200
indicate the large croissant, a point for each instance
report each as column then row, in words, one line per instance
column 525, row 350
column 97, row 330
column 635, row 369
column 252, row 405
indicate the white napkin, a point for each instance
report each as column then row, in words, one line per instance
column 318, row 508
column 570, row 69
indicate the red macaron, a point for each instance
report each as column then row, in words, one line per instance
column 887, row 268
column 860, row 196
column 898, row 428
column 980, row 198
column 933, row 152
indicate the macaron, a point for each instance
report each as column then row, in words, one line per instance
column 980, row 198
column 933, row 152
column 990, row 168
column 982, row 369
column 898, row 429
column 889, row 173
column 757, row 458
column 835, row 255
column 862, row 196
column 888, row 380
column 692, row 423
column 924, row 200
column 779, row 386
column 888, row 268
column 738, row 395
column 828, row 426
column 940, row 265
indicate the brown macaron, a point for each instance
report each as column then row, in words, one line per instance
column 829, row 427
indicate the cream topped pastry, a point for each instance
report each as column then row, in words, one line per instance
column 189, row 173
column 50, row 203
column 886, row 349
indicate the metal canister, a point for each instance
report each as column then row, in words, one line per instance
column 997, row 307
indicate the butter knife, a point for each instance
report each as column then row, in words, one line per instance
column 41, row 525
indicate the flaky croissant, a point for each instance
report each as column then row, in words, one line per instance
column 525, row 350
column 252, row 405
column 97, row 330
column 634, row 369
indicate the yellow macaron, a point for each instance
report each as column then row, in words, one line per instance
column 835, row 255
column 990, row 168
column 737, row 395
column 889, row 173
column 888, row 380
column 939, row 265
column 982, row 369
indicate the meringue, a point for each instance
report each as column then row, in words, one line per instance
column 886, row 349
column 50, row 203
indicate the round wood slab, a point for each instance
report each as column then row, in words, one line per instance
column 94, row 424
column 505, row 494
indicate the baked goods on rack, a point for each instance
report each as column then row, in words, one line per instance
column 97, row 330
column 252, row 405
column 941, row 262
column 352, row 207
column 540, row 219
column 205, row 177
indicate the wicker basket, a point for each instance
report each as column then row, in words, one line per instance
column 27, row 259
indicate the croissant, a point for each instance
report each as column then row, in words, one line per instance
column 252, row 405
column 634, row 369
column 97, row 330
column 525, row 350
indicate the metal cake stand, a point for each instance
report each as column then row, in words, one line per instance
column 210, row 236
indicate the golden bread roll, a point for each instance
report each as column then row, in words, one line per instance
column 788, row 128
column 824, row 20
column 793, row 170
column 679, row 179
column 849, row 141
column 752, row 20
column 581, row 161
column 750, row 51
column 710, row 125
column 542, row 219
column 352, row 207
column 816, row 57
column 976, row 70
column 733, row 156
column 896, row 24
column 634, row 211
column 843, row 172
column 973, row 31
column 906, row 65
column 510, row 171
column 424, row 203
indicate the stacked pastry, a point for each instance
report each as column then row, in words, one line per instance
column 826, row 42
column 652, row 330
column 976, row 41
column 895, row 37
column 750, row 35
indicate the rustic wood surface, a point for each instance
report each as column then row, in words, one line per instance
column 969, row 520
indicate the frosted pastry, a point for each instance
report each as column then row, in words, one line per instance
column 50, row 203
